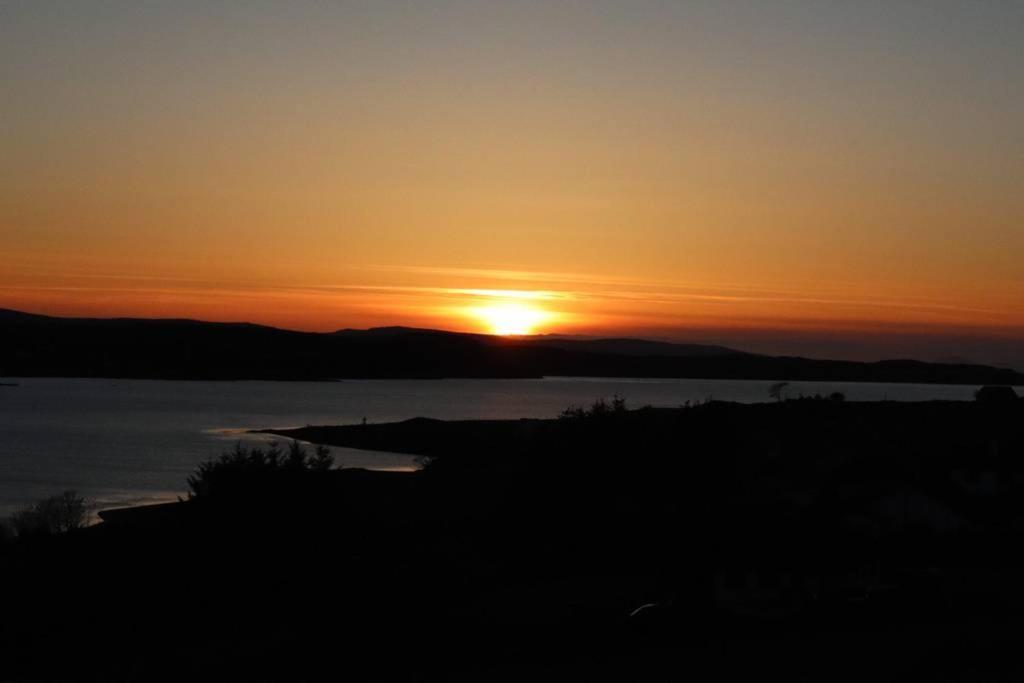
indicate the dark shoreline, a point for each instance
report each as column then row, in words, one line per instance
column 429, row 436
column 797, row 539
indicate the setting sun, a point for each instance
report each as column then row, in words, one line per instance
column 511, row 318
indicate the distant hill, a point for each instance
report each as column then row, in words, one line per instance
column 43, row 346
column 634, row 347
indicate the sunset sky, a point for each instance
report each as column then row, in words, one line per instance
column 840, row 179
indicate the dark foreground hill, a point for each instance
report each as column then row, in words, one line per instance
column 801, row 540
column 35, row 345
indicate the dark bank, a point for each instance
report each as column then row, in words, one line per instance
column 807, row 539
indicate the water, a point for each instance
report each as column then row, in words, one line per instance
column 122, row 442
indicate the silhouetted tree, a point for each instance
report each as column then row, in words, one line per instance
column 775, row 390
column 242, row 466
column 6, row 532
column 995, row 395
column 54, row 515
column 600, row 408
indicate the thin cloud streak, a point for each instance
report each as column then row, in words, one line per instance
column 424, row 295
column 673, row 293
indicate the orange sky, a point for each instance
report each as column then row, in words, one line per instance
column 762, row 172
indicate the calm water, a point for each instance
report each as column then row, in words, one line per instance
column 130, row 441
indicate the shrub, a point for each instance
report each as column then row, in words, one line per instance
column 777, row 391
column 6, row 532
column 244, row 467
column 600, row 408
column 54, row 515
column 996, row 395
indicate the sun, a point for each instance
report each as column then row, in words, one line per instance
column 511, row 318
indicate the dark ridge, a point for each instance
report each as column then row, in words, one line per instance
column 635, row 347
column 43, row 346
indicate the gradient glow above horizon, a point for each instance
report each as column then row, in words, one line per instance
column 817, row 178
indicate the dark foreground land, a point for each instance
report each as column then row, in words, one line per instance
column 805, row 540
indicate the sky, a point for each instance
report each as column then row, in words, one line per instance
column 830, row 179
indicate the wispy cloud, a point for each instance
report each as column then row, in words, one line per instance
column 589, row 287
column 578, row 297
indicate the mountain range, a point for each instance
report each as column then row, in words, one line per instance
column 43, row 346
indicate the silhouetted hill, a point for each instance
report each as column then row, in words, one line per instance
column 635, row 347
column 35, row 345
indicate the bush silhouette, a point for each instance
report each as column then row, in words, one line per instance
column 996, row 395
column 777, row 391
column 244, row 468
column 53, row 515
column 597, row 410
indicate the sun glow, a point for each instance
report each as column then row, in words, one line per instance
column 511, row 318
